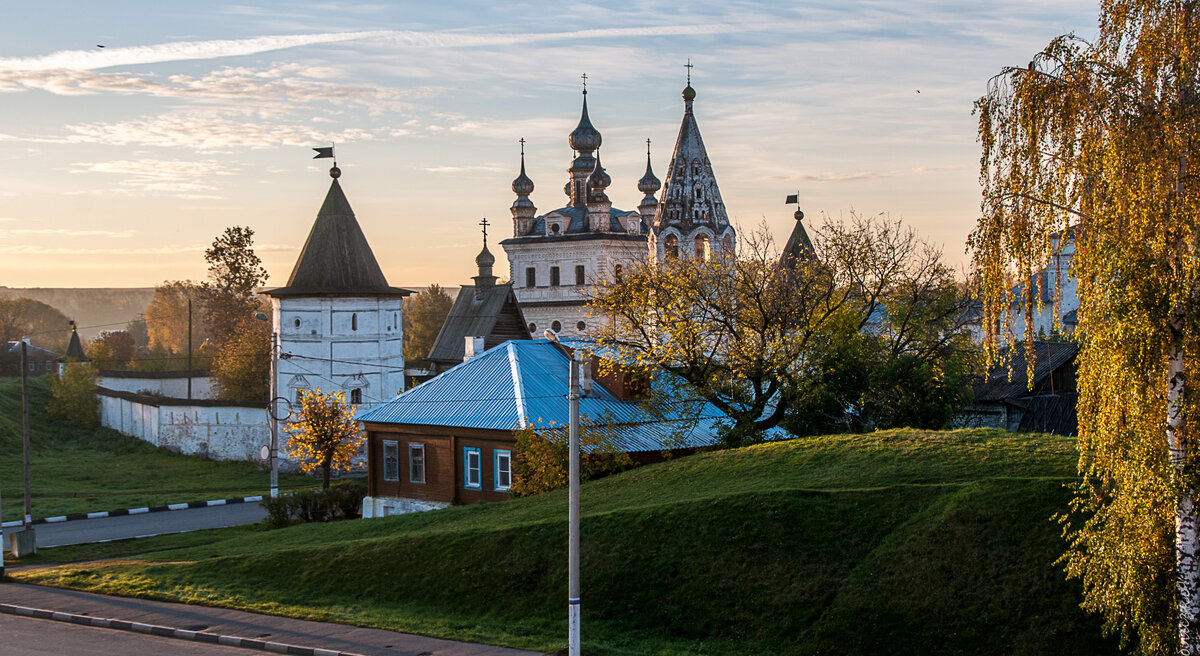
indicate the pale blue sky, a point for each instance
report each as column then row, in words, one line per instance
column 119, row 165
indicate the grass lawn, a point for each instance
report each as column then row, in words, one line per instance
column 77, row 469
column 898, row 542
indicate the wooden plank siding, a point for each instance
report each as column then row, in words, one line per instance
column 444, row 449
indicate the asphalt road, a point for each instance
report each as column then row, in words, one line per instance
column 223, row 621
column 104, row 529
column 24, row 636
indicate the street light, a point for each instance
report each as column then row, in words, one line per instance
column 272, row 405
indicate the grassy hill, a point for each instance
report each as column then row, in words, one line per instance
column 79, row 469
column 898, row 542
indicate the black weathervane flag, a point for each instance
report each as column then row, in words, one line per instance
column 323, row 152
column 792, row 198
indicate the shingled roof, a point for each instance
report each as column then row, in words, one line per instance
column 492, row 314
column 336, row 260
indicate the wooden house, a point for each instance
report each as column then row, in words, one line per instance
column 451, row 440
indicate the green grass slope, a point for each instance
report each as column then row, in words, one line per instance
column 78, row 469
column 899, row 542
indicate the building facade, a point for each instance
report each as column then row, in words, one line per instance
column 339, row 323
column 554, row 258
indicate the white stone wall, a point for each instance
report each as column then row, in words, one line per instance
column 333, row 343
column 599, row 258
column 374, row 507
column 203, row 387
column 219, row 433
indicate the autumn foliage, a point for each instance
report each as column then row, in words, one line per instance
column 543, row 458
column 325, row 434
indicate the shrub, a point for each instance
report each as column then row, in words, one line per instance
column 341, row 501
column 73, row 396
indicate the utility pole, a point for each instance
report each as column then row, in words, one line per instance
column 573, row 513
column 272, row 411
column 189, row 359
column 25, row 429
column 23, row 542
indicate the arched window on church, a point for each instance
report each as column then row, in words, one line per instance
column 701, row 248
column 356, row 396
column 354, row 322
column 671, row 246
column 727, row 245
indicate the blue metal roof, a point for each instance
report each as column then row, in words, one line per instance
column 524, row 382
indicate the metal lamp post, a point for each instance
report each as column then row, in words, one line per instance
column 573, row 514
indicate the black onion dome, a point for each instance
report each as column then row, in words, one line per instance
column 599, row 179
column 522, row 185
column 485, row 258
column 649, row 184
column 584, row 138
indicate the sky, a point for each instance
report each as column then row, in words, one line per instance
column 119, row 165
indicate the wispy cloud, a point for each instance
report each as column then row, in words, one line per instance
column 463, row 169
column 190, row 50
column 64, row 232
column 156, row 250
column 198, row 130
column 833, row 177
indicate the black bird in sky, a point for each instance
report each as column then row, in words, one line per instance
column 99, row 46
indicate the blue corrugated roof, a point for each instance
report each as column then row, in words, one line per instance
column 524, row 382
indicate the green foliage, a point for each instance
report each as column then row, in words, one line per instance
column 424, row 315
column 905, row 542
column 234, row 272
column 543, row 458
column 343, row 500
column 73, row 395
column 243, row 363
column 1097, row 142
column 79, row 469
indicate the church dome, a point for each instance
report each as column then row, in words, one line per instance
column 522, row 185
column 485, row 258
column 649, row 184
column 689, row 93
column 584, row 138
column 599, row 179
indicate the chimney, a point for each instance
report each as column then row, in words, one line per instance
column 473, row 346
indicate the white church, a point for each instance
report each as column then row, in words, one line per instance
column 555, row 257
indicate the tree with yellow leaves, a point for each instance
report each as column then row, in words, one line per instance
column 1096, row 140
column 325, row 435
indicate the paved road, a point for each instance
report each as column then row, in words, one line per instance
column 302, row 633
column 23, row 636
column 103, row 529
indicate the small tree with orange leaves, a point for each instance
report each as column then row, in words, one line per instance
column 325, row 435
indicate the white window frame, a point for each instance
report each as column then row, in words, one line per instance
column 413, row 461
column 472, row 482
column 497, row 456
column 395, row 446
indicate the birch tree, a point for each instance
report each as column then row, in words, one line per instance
column 1098, row 141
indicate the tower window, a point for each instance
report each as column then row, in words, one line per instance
column 697, row 192
column 531, row 277
column 701, row 248
column 354, row 322
column 554, row 282
column 579, row 274
column 355, row 396
column 617, row 272
column 671, row 246
column 297, row 322
column 556, row 326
